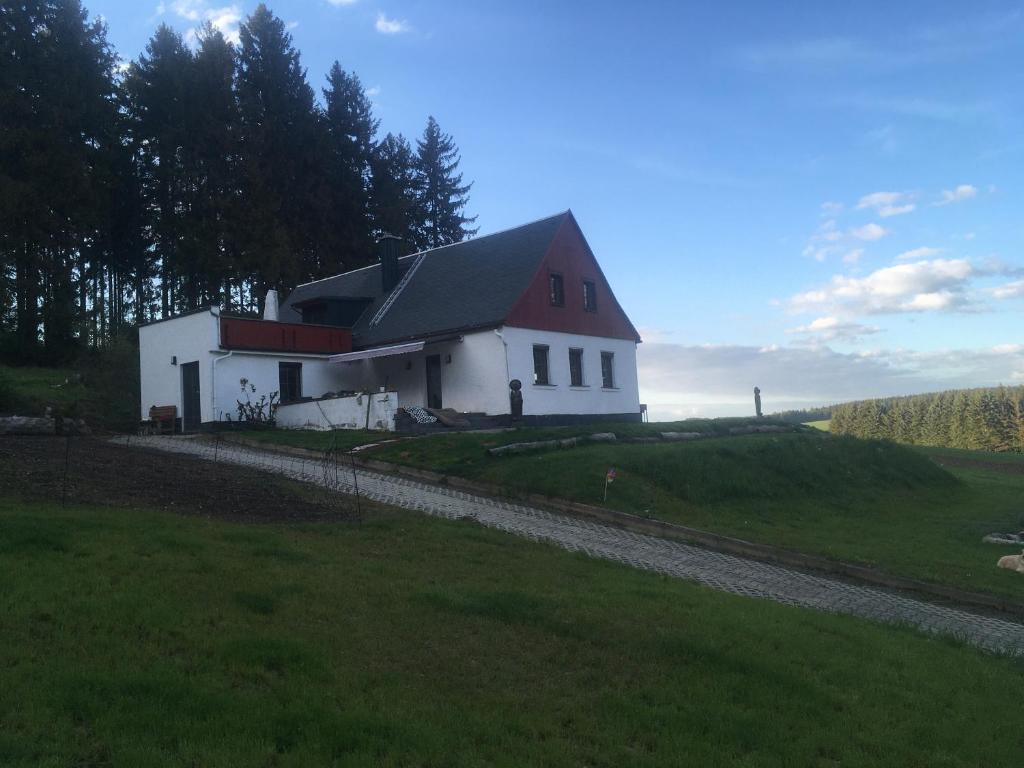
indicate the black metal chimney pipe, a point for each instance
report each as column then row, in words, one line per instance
column 388, row 247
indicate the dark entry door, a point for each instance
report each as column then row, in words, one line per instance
column 190, row 396
column 434, row 381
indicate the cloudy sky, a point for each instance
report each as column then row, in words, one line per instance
column 822, row 200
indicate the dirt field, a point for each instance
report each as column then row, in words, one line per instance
column 32, row 468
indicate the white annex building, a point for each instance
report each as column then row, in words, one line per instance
column 444, row 330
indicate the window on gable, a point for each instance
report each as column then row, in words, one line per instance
column 556, row 288
column 608, row 370
column 289, row 376
column 589, row 296
column 540, row 364
column 575, row 367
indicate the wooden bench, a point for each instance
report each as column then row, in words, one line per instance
column 163, row 418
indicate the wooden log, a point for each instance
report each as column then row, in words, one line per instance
column 27, row 425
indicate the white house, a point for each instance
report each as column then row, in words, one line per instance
column 447, row 328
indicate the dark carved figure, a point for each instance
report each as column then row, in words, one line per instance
column 757, row 401
column 515, row 398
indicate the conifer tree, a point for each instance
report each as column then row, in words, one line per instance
column 442, row 195
column 157, row 86
column 350, row 126
column 278, row 167
column 394, row 197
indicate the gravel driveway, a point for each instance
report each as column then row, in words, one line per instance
column 728, row 573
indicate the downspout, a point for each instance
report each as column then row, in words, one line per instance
column 213, row 375
column 498, row 333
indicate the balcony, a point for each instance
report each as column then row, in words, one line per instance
column 270, row 336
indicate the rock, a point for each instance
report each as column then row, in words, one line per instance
column 501, row 450
column 677, row 436
column 569, row 442
column 27, row 425
column 1012, row 563
column 602, row 437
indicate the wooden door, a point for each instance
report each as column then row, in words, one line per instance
column 434, row 381
column 190, row 397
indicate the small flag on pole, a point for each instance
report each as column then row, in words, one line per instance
column 608, row 478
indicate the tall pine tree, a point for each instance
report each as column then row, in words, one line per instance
column 348, row 116
column 394, row 198
column 442, row 195
column 279, row 171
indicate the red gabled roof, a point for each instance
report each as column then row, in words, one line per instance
column 570, row 256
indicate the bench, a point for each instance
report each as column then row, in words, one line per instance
column 163, row 418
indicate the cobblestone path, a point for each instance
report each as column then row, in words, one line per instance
column 728, row 573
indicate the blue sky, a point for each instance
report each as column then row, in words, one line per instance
column 822, row 200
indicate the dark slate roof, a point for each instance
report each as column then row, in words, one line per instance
column 472, row 284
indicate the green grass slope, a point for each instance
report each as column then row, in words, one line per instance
column 861, row 501
column 136, row 638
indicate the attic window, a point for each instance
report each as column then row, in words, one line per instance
column 556, row 288
column 589, row 296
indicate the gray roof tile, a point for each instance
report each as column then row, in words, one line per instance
column 472, row 284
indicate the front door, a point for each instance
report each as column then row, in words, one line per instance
column 190, row 418
column 434, row 381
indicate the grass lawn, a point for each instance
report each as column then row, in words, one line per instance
column 131, row 637
column 876, row 503
column 29, row 390
column 824, row 425
column 472, row 443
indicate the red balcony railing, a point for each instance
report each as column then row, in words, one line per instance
column 270, row 336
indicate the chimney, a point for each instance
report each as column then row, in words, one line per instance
column 270, row 306
column 388, row 247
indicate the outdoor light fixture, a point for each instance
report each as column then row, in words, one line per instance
column 448, row 359
column 174, row 359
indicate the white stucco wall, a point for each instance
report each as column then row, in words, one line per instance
column 188, row 338
column 342, row 413
column 318, row 377
column 473, row 382
column 559, row 397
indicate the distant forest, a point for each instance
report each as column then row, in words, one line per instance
column 203, row 172
column 989, row 419
column 804, row 415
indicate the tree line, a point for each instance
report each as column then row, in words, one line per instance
column 198, row 174
column 990, row 419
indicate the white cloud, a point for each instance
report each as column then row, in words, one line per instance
column 291, row 25
column 1014, row 290
column 340, row 3
column 923, row 286
column 388, row 26
column 678, row 380
column 224, row 18
column 371, row 92
column 852, row 257
column 829, row 240
column 831, row 208
column 869, row 232
column 887, row 203
column 825, row 329
column 962, row 192
column 918, row 253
